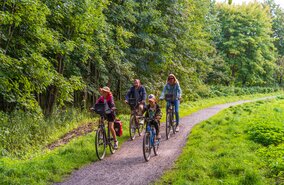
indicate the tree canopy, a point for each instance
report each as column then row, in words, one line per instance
column 59, row 52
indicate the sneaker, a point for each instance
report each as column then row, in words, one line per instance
column 115, row 146
column 141, row 121
column 177, row 129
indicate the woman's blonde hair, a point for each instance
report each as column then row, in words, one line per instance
column 172, row 76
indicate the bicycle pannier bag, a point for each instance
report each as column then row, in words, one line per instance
column 118, row 127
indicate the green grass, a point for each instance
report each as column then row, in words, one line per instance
column 233, row 148
column 45, row 167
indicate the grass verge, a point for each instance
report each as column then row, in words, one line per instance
column 240, row 145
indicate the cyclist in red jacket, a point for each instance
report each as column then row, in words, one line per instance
column 107, row 99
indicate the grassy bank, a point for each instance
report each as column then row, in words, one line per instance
column 240, row 145
column 50, row 166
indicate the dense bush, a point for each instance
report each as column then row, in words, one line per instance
column 23, row 132
column 217, row 91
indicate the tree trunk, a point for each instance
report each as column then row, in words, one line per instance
column 52, row 91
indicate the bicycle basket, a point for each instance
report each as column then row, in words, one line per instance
column 100, row 108
column 169, row 97
column 132, row 102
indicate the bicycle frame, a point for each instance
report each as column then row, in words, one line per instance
column 102, row 139
column 149, row 141
column 102, row 126
column 170, row 117
column 150, row 129
column 134, row 124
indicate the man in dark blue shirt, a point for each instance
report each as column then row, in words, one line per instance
column 138, row 92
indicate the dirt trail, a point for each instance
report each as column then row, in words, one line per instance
column 127, row 165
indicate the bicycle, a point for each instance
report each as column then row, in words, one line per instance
column 133, row 122
column 170, row 118
column 149, row 140
column 103, row 137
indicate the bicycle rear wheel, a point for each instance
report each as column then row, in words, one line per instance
column 146, row 146
column 132, row 127
column 100, row 143
column 168, row 124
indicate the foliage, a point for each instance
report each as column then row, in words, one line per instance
column 277, row 14
column 26, row 133
column 246, row 43
column 58, row 53
column 266, row 134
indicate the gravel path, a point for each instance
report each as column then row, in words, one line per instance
column 127, row 165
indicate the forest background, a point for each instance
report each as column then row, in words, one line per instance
column 55, row 54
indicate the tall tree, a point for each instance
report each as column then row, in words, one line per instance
column 277, row 14
column 24, row 36
column 247, row 43
column 73, row 23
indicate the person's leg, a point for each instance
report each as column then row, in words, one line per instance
column 168, row 105
column 140, row 109
column 176, row 103
column 156, row 125
column 111, row 128
column 111, row 118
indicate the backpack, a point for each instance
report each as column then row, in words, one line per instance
column 118, row 127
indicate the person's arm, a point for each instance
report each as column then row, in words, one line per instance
column 144, row 94
column 158, row 114
column 179, row 92
column 111, row 103
column 99, row 100
column 146, row 114
column 128, row 94
column 163, row 93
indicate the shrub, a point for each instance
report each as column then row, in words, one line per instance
column 266, row 134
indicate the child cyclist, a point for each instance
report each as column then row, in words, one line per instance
column 107, row 99
column 153, row 111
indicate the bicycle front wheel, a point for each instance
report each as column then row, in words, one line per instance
column 111, row 144
column 100, row 143
column 173, row 122
column 141, row 127
column 168, row 124
column 156, row 146
column 132, row 127
column 146, row 146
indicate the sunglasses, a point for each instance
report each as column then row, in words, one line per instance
column 170, row 78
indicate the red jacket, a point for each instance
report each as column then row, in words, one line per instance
column 109, row 100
